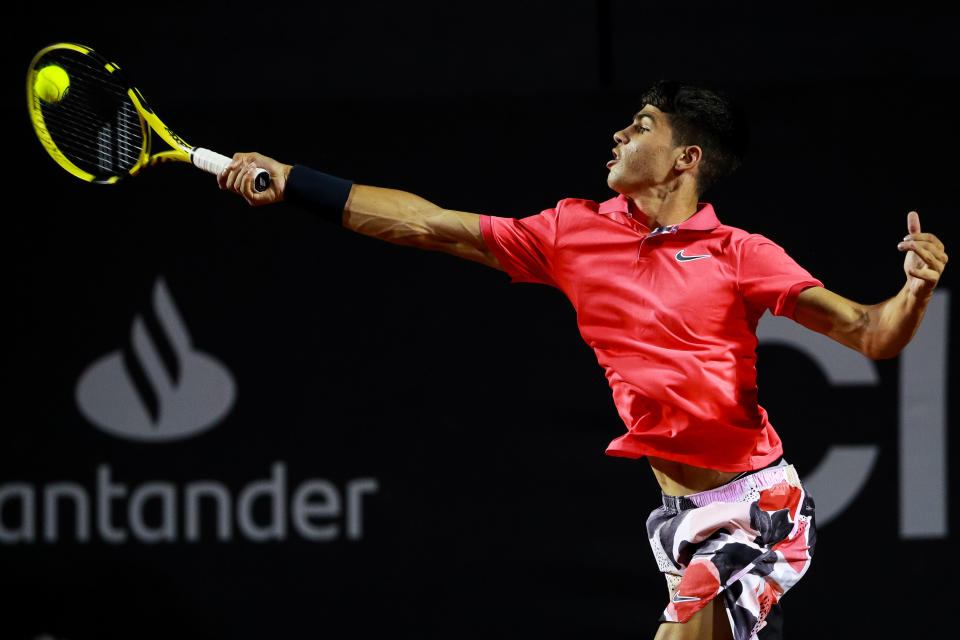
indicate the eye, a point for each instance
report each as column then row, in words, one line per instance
column 642, row 128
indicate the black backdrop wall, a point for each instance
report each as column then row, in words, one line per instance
column 379, row 440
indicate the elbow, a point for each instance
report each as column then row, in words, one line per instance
column 881, row 354
column 881, row 351
column 864, row 336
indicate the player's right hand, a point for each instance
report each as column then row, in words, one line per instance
column 238, row 177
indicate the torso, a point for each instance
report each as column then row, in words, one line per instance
column 666, row 315
column 671, row 315
column 678, row 479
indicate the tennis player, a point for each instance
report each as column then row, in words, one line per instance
column 669, row 298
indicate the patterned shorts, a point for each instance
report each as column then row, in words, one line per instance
column 749, row 540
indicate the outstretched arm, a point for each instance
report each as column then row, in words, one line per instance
column 388, row 214
column 407, row 219
column 880, row 330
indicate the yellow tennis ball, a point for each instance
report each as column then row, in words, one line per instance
column 52, row 83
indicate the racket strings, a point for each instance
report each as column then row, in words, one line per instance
column 94, row 125
column 93, row 145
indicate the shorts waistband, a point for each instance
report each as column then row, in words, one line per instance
column 735, row 490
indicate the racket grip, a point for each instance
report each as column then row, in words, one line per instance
column 213, row 162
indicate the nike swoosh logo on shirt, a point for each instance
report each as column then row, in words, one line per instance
column 682, row 258
column 678, row 598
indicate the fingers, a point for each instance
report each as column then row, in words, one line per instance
column 929, row 250
column 927, row 275
column 915, row 238
column 228, row 179
column 913, row 222
column 924, row 237
column 921, row 271
column 926, row 257
column 239, row 177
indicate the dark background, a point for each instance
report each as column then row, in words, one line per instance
column 473, row 402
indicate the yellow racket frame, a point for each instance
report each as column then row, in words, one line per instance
column 180, row 151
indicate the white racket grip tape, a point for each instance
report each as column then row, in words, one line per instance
column 213, row 162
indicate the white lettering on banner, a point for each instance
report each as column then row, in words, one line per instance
column 221, row 495
column 180, row 393
column 843, row 472
column 319, row 510
column 81, row 510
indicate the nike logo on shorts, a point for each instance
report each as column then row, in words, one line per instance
column 682, row 258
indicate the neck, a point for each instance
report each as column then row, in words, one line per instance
column 665, row 207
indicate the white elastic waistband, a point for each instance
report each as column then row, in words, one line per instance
column 735, row 490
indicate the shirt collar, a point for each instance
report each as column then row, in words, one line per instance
column 705, row 219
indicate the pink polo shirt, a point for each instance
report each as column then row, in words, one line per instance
column 671, row 315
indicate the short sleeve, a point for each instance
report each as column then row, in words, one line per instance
column 769, row 278
column 524, row 246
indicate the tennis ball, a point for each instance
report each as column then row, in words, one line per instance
column 52, row 83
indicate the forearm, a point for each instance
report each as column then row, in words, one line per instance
column 877, row 331
column 407, row 219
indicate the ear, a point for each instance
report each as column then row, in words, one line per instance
column 689, row 158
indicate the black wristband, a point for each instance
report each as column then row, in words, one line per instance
column 323, row 194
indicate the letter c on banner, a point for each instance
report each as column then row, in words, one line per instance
column 844, row 470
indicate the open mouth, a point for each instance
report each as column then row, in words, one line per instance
column 610, row 163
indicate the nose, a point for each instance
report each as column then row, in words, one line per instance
column 619, row 137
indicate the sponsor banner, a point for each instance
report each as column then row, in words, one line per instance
column 161, row 389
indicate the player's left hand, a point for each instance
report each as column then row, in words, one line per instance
column 925, row 259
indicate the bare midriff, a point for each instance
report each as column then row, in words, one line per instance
column 678, row 479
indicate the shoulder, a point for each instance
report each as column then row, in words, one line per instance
column 578, row 205
column 749, row 250
column 744, row 240
column 737, row 234
column 568, row 206
column 571, row 211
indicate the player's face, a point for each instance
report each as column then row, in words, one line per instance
column 644, row 156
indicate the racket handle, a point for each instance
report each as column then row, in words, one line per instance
column 213, row 162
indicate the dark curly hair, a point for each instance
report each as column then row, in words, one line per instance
column 706, row 118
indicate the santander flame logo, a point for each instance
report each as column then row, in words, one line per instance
column 161, row 389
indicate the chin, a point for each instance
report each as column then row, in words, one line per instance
column 614, row 183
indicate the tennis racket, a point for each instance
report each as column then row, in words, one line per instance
column 97, row 125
